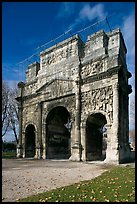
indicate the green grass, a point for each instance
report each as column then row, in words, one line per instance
column 115, row 185
column 8, row 155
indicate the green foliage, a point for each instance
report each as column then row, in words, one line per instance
column 8, row 155
column 8, row 146
column 115, row 185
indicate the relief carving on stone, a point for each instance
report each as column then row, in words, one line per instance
column 58, row 55
column 30, row 113
column 59, row 88
column 99, row 99
column 71, row 106
column 92, row 68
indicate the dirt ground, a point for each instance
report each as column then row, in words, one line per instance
column 25, row 177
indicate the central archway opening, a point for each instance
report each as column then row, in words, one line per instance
column 58, row 134
column 30, row 141
column 96, row 137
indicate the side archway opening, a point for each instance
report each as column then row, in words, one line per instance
column 96, row 137
column 58, row 134
column 30, row 141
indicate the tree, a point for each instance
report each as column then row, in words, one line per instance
column 13, row 112
column 5, row 104
column 10, row 119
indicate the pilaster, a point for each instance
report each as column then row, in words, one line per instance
column 114, row 139
column 38, row 152
column 76, row 146
column 83, row 140
column 20, row 110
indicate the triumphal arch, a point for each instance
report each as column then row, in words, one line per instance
column 74, row 103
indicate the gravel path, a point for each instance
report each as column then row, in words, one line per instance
column 25, row 177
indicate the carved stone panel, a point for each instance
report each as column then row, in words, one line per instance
column 30, row 114
column 59, row 54
column 58, row 87
column 92, row 68
column 99, row 99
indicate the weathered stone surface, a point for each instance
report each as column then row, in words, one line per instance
column 79, row 89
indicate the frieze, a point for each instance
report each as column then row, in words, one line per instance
column 59, row 88
column 99, row 99
column 59, row 55
column 92, row 68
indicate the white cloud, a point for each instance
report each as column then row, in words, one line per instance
column 90, row 13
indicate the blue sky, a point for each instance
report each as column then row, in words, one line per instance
column 27, row 25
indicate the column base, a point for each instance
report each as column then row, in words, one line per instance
column 37, row 153
column 76, row 152
column 19, row 151
column 83, row 158
column 43, row 156
column 75, row 157
column 112, row 156
column 43, row 153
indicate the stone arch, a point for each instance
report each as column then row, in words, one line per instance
column 86, row 115
column 96, row 137
column 58, row 133
column 31, row 123
column 69, row 105
column 30, row 140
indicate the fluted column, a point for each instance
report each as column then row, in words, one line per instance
column 114, row 140
column 44, row 140
column 39, row 136
column 19, row 146
column 76, row 146
column 83, row 140
column 108, row 149
column 20, row 112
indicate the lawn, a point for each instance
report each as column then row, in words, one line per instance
column 115, row 185
column 9, row 155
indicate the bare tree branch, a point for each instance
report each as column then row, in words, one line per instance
column 10, row 118
column 5, row 103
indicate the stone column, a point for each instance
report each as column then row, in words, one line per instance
column 127, row 130
column 23, row 145
column 124, row 149
column 39, row 136
column 109, row 136
column 124, row 108
column 76, row 146
column 20, row 112
column 83, row 140
column 114, row 139
column 19, row 145
column 44, row 140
